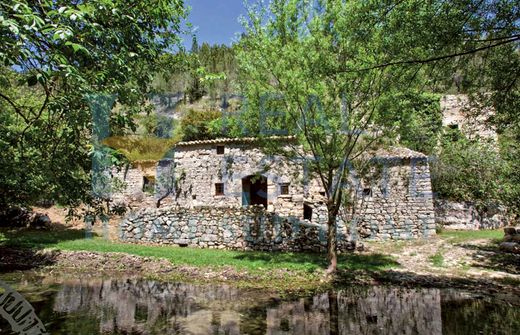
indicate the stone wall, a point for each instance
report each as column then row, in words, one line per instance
column 458, row 111
column 199, row 167
column 128, row 184
column 244, row 228
column 452, row 215
column 400, row 205
column 393, row 200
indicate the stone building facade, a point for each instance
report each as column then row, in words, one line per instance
column 460, row 113
column 229, row 180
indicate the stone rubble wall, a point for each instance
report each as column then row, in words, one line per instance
column 243, row 228
column 128, row 185
column 200, row 167
column 452, row 215
column 457, row 109
column 399, row 205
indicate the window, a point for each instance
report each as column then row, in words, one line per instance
column 322, row 193
column 220, row 150
column 194, row 197
column 219, row 189
column 307, row 212
column 284, row 188
column 367, row 192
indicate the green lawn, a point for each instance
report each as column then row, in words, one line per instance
column 74, row 240
column 471, row 235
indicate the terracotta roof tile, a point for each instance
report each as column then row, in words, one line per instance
column 234, row 140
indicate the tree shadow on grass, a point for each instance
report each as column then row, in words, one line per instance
column 21, row 248
column 38, row 238
column 490, row 257
column 313, row 261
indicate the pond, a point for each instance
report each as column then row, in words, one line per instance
column 132, row 306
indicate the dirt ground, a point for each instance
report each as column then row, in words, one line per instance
column 444, row 258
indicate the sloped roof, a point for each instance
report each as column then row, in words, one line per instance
column 235, row 140
column 398, row 152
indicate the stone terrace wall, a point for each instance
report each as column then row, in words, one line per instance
column 464, row 216
column 246, row 228
column 400, row 203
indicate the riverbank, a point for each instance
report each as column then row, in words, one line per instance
column 468, row 260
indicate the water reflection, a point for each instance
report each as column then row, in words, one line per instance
column 145, row 307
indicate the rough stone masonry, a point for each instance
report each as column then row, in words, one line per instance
column 229, row 194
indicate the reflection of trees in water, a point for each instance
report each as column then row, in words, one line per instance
column 390, row 311
column 484, row 316
column 377, row 310
column 145, row 307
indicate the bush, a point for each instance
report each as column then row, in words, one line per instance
column 469, row 170
column 195, row 124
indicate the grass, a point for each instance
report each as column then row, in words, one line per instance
column 253, row 261
column 437, row 260
column 471, row 235
column 140, row 148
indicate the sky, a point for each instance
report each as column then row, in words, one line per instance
column 216, row 20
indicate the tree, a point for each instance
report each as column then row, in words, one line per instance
column 55, row 56
column 287, row 57
column 460, row 173
column 328, row 66
column 415, row 117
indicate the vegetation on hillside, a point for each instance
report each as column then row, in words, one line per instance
column 65, row 65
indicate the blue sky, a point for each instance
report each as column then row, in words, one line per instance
column 217, row 20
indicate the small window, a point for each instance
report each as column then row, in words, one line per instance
column 220, row 150
column 219, row 189
column 194, row 197
column 367, row 192
column 307, row 212
column 322, row 193
column 284, row 188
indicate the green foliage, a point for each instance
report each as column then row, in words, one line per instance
column 196, row 124
column 476, row 171
column 56, row 54
column 510, row 154
column 415, row 118
column 206, row 70
column 140, row 148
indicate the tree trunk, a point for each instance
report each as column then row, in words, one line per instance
column 158, row 203
column 332, row 253
column 333, row 313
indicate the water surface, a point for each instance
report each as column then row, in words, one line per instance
column 131, row 306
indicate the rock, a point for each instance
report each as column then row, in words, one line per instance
column 510, row 247
column 40, row 221
column 511, row 230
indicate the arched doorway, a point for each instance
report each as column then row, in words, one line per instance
column 254, row 190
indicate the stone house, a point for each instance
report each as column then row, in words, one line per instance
column 393, row 201
column 458, row 112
